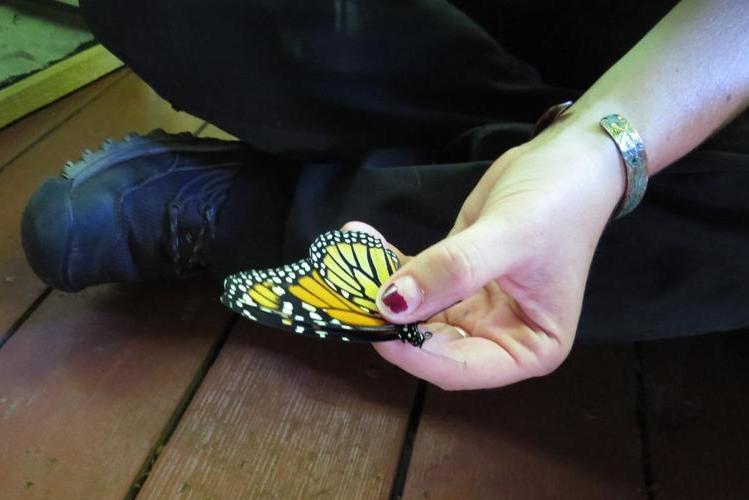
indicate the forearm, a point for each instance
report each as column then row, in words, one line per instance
column 685, row 79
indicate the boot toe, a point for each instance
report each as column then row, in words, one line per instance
column 45, row 233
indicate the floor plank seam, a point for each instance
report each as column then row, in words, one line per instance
column 65, row 120
column 401, row 471
column 23, row 317
column 201, row 129
column 180, row 410
column 642, row 408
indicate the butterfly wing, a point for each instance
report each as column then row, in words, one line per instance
column 330, row 295
column 354, row 264
column 296, row 298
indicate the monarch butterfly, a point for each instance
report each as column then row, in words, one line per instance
column 329, row 295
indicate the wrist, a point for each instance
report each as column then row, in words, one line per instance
column 594, row 152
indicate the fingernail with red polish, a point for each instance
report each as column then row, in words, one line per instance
column 393, row 300
column 401, row 296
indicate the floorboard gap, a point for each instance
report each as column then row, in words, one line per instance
column 401, row 472
column 179, row 411
column 21, row 319
column 63, row 121
column 200, row 129
column 642, row 408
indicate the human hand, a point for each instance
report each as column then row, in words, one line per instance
column 512, row 271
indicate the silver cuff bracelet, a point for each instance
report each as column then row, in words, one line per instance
column 632, row 149
column 630, row 146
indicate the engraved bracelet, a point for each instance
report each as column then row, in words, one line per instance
column 630, row 146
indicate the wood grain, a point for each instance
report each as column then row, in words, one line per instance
column 18, row 137
column 89, row 382
column 280, row 416
column 128, row 105
column 699, row 422
column 570, row 435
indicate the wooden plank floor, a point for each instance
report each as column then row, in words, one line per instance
column 572, row 434
column 289, row 418
column 155, row 391
column 699, row 416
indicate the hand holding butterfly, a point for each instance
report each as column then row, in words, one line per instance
column 516, row 261
column 514, row 266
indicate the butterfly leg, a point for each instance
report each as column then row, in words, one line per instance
column 412, row 335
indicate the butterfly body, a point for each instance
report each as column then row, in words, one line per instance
column 329, row 295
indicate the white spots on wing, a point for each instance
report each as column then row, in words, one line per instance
column 294, row 314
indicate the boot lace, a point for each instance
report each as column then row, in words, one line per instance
column 187, row 248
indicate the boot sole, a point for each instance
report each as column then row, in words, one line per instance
column 113, row 152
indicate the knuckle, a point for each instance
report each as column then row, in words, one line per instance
column 459, row 263
column 470, row 210
column 462, row 220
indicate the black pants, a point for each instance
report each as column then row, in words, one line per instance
column 393, row 109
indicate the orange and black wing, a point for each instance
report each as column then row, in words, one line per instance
column 354, row 264
column 296, row 298
column 330, row 295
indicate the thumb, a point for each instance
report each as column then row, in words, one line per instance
column 444, row 274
